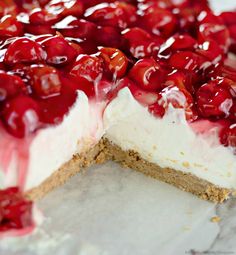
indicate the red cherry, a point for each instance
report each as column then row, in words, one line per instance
column 42, row 17
column 11, row 85
column 182, row 79
column 178, row 42
column 214, row 32
column 228, row 84
column 59, row 51
column 45, row 81
column 228, row 18
column 207, row 16
column 158, row 21
column 140, row 43
column 10, row 27
column 24, row 50
column 117, row 14
column 20, row 115
column 77, row 28
column 55, row 108
column 213, row 100
column 212, row 51
column 148, row 74
column 88, row 67
column 88, row 46
column 228, row 72
column 43, row 2
column 187, row 19
column 232, row 30
column 15, row 210
column 77, row 47
column 179, row 98
column 228, row 136
column 8, row 7
column 27, row 5
column 187, row 60
column 145, row 98
column 115, row 61
column 80, row 83
column 64, row 8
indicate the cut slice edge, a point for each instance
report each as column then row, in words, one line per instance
column 106, row 150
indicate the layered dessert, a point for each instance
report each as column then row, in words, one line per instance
column 150, row 84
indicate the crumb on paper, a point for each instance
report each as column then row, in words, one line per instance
column 215, row 219
column 189, row 212
column 186, row 164
column 186, row 228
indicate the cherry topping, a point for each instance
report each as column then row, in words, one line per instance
column 145, row 98
column 157, row 110
column 21, row 116
column 117, row 14
column 42, row 17
column 88, row 67
column 45, row 81
column 178, row 97
column 212, row 51
column 15, row 210
column 148, row 74
column 77, row 28
column 10, row 27
column 182, row 79
column 140, row 43
column 64, row 8
column 11, row 85
column 228, row 18
column 177, row 43
column 158, row 21
column 115, row 61
column 55, row 108
column 213, row 100
column 24, row 50
column 59, row 51
column 108, row 36
column 214, row 32
column 228, row 136
column 187, row 60
column 8, row 7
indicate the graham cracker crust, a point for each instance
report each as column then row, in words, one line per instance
column 106, row 150
column 78, row 163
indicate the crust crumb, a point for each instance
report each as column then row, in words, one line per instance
column 186, row 164
column 215, row 219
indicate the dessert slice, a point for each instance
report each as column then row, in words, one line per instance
column 150, row 84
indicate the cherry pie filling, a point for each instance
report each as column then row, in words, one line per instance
column 165, row 51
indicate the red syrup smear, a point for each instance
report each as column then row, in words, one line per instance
column 15, row 149
column 15, row 213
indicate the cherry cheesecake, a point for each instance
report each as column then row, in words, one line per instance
column 147, row 83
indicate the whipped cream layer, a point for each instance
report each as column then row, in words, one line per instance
column 29, row 162
column 169, row 142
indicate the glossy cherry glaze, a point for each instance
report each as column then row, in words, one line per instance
column 165, row 51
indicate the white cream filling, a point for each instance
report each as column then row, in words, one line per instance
column 168, row 142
